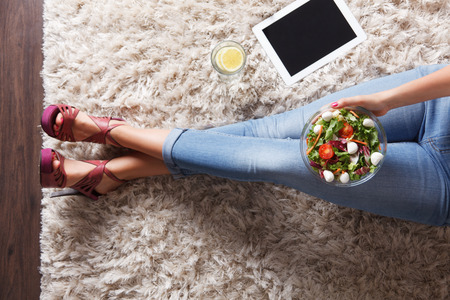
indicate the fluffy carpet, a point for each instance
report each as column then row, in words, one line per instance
column 210, row 238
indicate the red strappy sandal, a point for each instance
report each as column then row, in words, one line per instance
column 57, row 178
column 69, row 114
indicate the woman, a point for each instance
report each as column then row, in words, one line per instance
column 413, row 183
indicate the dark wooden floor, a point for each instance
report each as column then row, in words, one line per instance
column 21, row 96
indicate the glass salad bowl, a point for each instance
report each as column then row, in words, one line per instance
column 343, row 147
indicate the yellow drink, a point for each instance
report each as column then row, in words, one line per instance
column 228, row 58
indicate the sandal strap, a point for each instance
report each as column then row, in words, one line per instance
column 88, row 184
column 105, row 131
column 60, row 173
column 112, row 176
column 69, row 114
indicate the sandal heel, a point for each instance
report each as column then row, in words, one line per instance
column 46, row 161
column 48, row 119
column 46, row 168
column 65, row 192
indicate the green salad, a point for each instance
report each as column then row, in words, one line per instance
column 343, row 145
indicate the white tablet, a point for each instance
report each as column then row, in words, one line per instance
column 306, row 35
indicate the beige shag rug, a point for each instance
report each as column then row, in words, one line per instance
column 209, row 238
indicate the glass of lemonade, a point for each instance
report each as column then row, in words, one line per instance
column 228, row 58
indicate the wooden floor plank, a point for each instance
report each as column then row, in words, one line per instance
column 21, row 96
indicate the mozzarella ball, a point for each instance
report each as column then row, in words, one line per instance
column 327, row 116
column 354, row 158
column 375, row 158
column 352, row 148
column 368, row 123
column 344, row 178
column 336, row 113
column 328, row 175
column 317, row 129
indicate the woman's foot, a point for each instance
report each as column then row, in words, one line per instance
column 83, row 126
column 78, row 170
column 67, row 123
column 92, row 178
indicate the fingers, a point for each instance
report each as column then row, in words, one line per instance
column 344, row 102
column 350, row 101
column 329, row 106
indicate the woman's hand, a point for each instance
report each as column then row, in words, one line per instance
column 376, row 103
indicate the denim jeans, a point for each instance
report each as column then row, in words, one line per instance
column 413, row 183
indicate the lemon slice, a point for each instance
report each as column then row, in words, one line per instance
column 229, row 59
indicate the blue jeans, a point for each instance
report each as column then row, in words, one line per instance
column 413, row 183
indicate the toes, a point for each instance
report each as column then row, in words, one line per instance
column 59, row 119
column 55, row 163
column 58, row 123
column 56, row 129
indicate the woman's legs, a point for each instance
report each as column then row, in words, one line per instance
column 234, row 152
column 148, row 141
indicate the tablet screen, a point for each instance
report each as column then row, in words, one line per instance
column 305, row 35
column 308, row 34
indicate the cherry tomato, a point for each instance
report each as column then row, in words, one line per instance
column 346, row 131
column 326, row 151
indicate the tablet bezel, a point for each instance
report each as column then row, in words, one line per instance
column 280, row 67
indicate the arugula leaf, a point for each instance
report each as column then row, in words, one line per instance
column 344, row 157
column 335, row 126
column 314, row 155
